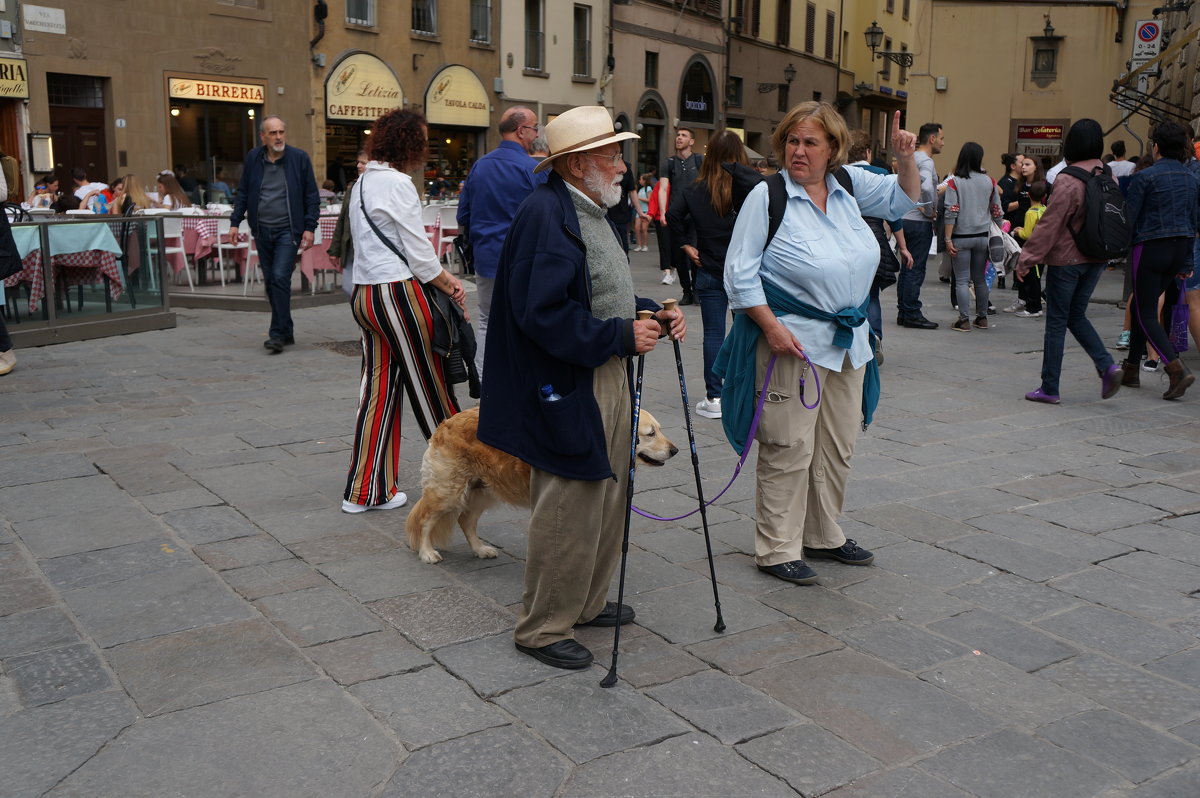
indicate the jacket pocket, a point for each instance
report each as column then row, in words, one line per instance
column 566, row 424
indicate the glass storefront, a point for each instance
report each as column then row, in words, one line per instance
column 213, row 125
column 457, row 107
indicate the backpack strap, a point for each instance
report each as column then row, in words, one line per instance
column 843, row 177
column 776, row 205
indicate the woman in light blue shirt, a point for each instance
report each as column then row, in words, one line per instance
column 805, row 291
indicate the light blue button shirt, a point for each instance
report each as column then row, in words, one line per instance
column 825, row 259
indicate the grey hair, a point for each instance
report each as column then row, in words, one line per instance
column 262, row 125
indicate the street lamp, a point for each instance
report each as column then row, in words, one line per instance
column 789, row 74
column 874, row 37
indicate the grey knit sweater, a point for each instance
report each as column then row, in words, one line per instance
column 612, row 285
column 969, row 203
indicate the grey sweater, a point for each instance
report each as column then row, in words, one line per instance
column 612, row 284
column 970, row 203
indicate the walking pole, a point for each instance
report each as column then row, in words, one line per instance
column 669, row 304
column 611, row 678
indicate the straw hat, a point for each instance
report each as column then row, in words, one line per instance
column 578, row 130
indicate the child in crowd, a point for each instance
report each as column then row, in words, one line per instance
column 1029, row 288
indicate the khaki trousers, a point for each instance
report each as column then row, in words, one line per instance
column 803, row 457
column 576, row 528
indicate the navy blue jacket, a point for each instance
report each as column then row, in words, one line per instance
column 1163, row 201
column 541, row 332
column 304, row 202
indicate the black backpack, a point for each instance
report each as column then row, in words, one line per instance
column 1105, row 233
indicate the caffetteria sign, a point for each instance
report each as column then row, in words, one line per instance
column 361, row 88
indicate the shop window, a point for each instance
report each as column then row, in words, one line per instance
column 696, row 102
column 830, row 28
column 651, row 70
column 783, row 23
column 810, row 28
column 535, row 37
column 481, row 21
column 582, row 62
column 360, row 12
column 424, row 17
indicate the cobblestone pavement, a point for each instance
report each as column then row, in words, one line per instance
column 185, row 611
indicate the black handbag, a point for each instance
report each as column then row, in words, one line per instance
column 10, row 259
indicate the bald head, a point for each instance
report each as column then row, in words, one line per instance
column 519, row 125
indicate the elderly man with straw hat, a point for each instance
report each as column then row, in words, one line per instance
column 556, row 389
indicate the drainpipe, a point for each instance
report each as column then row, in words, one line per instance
column 320, row 11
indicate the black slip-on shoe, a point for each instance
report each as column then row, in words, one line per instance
column 795, row 571
column 920, row 323
column 288, row 340
column 849, row 552
column 566, row 654
column 609, row 615
column 273, row 345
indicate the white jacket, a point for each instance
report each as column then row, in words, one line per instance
column 394, row 205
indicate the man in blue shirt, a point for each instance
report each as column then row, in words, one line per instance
column 497, row 185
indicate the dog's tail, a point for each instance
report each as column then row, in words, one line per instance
column 416, row 523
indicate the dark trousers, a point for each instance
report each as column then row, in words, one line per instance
column 623, row 231
column 684, row 268
column 277, row 249
column 714, row 311
column 918, row 235
column 1068, row 290
column 1155, row 264
column 5, row 338
column 1029, row 289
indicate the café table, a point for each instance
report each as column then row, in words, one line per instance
column 80, row 254
column 317, row 256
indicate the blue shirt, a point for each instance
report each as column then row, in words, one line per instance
column 824, row 259
column 497, row 185
column 1163, row 201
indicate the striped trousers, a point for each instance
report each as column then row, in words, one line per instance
column 397, row 336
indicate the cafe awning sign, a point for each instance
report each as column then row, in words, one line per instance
column 456, row 97
column 361, row 88
column 14, row 78
column 215, row 91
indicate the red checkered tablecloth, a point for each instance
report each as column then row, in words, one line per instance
column 72, row 268
column 318, row 257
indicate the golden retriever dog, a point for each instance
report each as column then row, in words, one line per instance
column 461, row 477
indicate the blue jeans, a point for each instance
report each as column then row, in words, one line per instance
column 1068, row 289
column 714, row 309
column 917, row 236
column 875, row 310
column 277, row 249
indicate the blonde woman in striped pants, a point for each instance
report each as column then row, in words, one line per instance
column 392, row 258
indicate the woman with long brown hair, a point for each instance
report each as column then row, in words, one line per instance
column 170, row 194
column 701, row 222
column 392, row 258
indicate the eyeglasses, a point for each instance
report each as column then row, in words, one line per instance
column 613, row 160
column 534, row 128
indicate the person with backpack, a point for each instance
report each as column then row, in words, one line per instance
column 1066, row 241
column 677, row 173
column 798, row 272
column 1164, row 205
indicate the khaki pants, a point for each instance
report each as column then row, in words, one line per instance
column 576, row 528
column 803, row 457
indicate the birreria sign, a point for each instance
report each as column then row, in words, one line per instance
column 14, row 78
column 361, row 88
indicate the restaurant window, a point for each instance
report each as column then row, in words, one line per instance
column 360, row 12
column 783, row 23
column 535, row 41
column 582, row 62
column 830, row 27
column 481, row 21
column 651, row 70
column 810, row 28
column 424, row 17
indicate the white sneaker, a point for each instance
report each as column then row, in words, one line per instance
column 8, row 361
column 399, row 500
column 668, row 278
column 1014, row 307
column 1025, row 314
column 1150, row 365
column 709, row 408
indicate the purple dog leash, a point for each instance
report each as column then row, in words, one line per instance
column 758, row 408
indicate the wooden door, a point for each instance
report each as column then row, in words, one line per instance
column 78, row 135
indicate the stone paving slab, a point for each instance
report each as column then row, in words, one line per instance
column 43, row 744
column 930, row 565
column 199, row 525
column 723, row 707
column 827, row 610
column 34, row 630
column 200, row 666
column 686, row 613
column 492, row 665
column 1010, row 763
column 619, row 717
column 1133, row 750
column 493, row 762
column 809, row 758
column 54, row 674
column 240, row 552
column 441, row 617
column 1116, row 634
column 117, row 564
column 428, row 706
column 1004, row 639
column 332, row 747
column 902, row 644
column 157, row 603
column 1161, row 539
column 905, row 599
column 899, row 783
column 1124, row 688
column 30, row 593
column 740, row 653
column 1080, row 547
column 367, row 657
column 45, row 468
column 645, row 658
column 1015, row 597
column 88, row 530
column 45, row 499
column 317, row 615
column 1134, row 596
column 369, row 577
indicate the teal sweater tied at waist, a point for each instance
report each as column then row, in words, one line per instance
column 735, row 363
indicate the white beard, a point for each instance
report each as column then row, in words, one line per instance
column 609, row 193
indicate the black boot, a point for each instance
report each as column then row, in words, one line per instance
column 688, row 298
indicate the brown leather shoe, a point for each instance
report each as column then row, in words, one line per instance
column 1181, row 377
column 1132, row 376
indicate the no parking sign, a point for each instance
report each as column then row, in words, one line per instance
column 1147, row 41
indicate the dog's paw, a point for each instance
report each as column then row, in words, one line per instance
column 431, row 556
column 485, row 552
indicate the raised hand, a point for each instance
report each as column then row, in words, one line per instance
column 903, row 142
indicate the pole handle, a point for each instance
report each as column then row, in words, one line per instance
column 670, row 304
column 644, row 315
